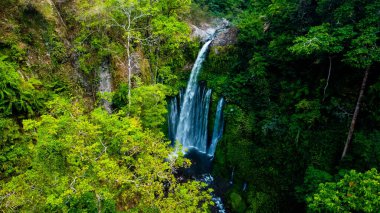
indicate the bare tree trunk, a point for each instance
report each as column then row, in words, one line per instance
column 328, row 79
column 355, row 116
column 129, row 60
column 157, row 61
column 129, row 71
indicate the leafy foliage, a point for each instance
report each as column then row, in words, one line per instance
column 291, row 84
column 149, row 104
column 69, row 157
column 15, row 151
column 97, row 162
column 17, row 96
column 354, row 192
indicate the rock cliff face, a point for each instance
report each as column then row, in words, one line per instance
column 226, row 37
column 227, row 34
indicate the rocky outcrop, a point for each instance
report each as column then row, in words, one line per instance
column 203, row 32
column 140, row 67
column 226, row 34
column 226, row 37
column 105, row 85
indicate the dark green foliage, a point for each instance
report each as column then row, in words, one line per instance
column 223, row 7
column 237, row 202
column 120, row 97
column 313, row 177
column 291, row 84
column 261, row 202
column 366, row 149
column 88, row 202
column 91, row 49
column 17, row 96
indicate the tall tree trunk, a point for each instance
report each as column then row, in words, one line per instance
column 129, row 60
column 328, row 79
column 355, row 116
column 129, row 71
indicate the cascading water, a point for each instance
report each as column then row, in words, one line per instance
column 189, row 121
column 188, row 124
column 188, row 118
column 218, row 128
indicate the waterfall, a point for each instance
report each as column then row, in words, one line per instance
column 173, row 118
column 188, row 123
column 218, row 128
column 105, row 85
column 188, row 119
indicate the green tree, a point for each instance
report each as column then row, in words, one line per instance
column 15, row 151
column 149, row 104
column 359, row 192
column 291, row 92
column 98, row 162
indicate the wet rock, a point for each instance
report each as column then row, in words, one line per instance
column 105, row 85
column 225, row 34
column 226, row 37
column 199, row 33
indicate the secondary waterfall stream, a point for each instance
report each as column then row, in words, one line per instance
column 188, row 122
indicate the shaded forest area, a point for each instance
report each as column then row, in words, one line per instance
column 302, row 84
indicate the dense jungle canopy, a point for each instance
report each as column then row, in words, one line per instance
column 300, row 80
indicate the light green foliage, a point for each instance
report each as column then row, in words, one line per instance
column 317, row 40
column 172, row 34
column 149, row 104
column 129, row 25
column 91, row 49
column 354, row 192
column 174, row 8
column 71, row 157
column 15, row 151
column 97, row 162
